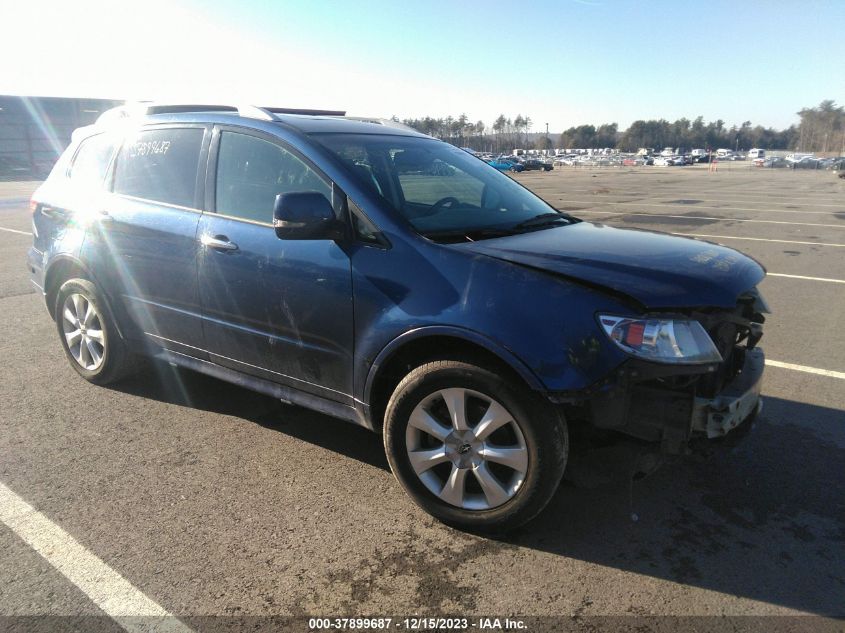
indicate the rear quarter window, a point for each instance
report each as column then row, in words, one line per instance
column 160, row 165
column 92, row 161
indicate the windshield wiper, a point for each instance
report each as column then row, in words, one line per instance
column 465, row 235
column 541, row 221
column 472, row 234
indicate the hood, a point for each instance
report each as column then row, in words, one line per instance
column 655, row 269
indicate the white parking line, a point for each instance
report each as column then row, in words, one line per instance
column 669, row 205
column 578, row 212
column 809, row 370
column 833, row 281
column 3, row 228
column 110, row 591
column 756, row 239
column 802, row 199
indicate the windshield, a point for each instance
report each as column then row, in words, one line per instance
column 447, row 194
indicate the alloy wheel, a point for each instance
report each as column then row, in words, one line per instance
column 83, row 331
column 467, row 449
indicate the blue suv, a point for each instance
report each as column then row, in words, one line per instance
column 380, row 276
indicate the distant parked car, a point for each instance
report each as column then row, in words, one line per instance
column 838, row 164
column 773, row 161
column 503, row 164
column 806, row 162
column 535, row 164
column 669, row 160
column 797, row 157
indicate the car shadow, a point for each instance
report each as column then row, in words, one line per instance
column 764, row 520
column 165, row 383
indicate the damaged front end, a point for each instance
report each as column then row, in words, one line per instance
column 672, row 403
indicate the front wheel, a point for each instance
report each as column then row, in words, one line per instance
column 474, row 450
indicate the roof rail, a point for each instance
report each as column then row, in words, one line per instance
column 305, row 111
column 250, row 111
column 384, row 122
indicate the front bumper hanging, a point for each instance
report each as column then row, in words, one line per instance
column 737, row 401
column 648, row 409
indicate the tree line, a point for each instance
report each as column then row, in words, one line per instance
column 820, row 129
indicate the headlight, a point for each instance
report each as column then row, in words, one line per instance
column 679, row 341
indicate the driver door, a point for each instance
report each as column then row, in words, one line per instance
column 280, row 310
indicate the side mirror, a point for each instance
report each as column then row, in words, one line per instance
column 305, row 215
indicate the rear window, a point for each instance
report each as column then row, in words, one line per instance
column 91, row 161
column 160, row 165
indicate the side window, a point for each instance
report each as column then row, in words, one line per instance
column 251, row 172
column 160, row 165
column 91, row 161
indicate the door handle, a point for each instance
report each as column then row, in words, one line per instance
column 220, row 242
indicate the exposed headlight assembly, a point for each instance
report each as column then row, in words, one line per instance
column 675, row 341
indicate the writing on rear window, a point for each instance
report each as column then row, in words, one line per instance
column 148, row 148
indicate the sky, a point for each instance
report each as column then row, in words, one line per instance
column 561, row 62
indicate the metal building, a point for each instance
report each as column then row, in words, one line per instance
column 35, row 130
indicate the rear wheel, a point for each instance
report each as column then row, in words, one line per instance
column 89, row 338
column 471, row 449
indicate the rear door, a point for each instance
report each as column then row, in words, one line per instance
column 145, row 235
column 277, row 309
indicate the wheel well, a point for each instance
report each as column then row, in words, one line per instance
column 59, row 273
column 427, row 349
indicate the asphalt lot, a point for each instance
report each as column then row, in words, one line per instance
column 212, row 500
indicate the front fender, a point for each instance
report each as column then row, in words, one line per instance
column 470, row 336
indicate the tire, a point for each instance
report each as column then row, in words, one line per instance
column 458, row 484
column 97, row 352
